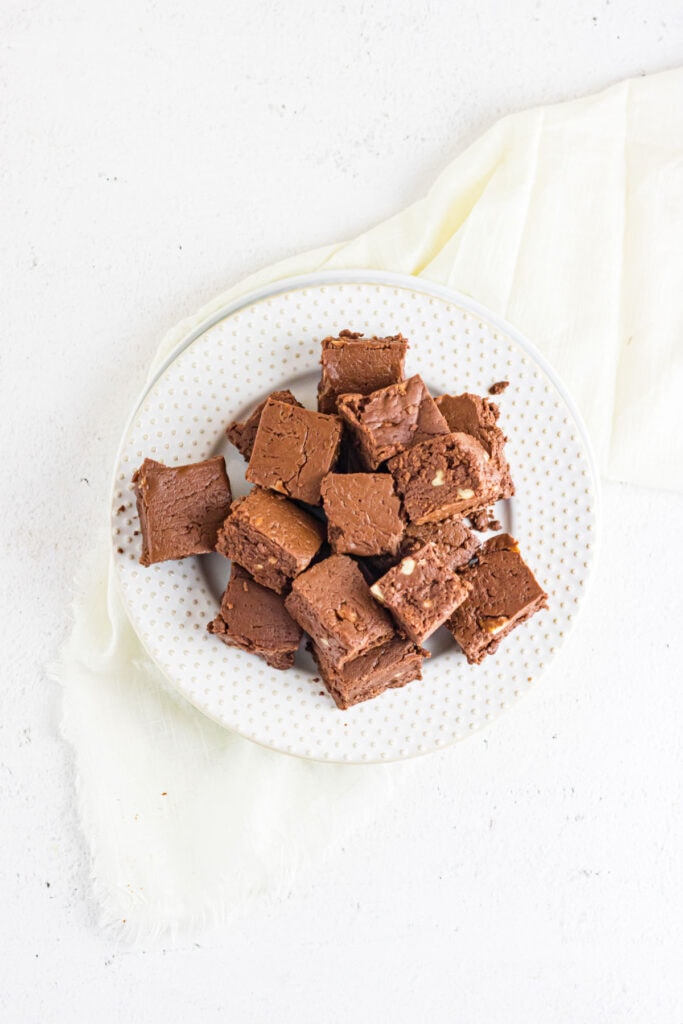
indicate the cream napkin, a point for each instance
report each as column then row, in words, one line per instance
column 566, row 220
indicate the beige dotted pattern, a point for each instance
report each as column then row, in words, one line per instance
column 274, row 344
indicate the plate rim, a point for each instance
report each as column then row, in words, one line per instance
column 388, row 279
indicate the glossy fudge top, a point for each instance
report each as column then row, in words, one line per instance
column 388, row 421
column 504, row 593
column 333, row 603
column 354, row 363
column 243, row 434
column 271, row 537
column 363, row 513
column 180, row 508
column 293, row 450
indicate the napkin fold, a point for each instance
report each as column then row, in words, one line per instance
column 566, row 220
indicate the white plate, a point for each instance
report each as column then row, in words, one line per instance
column 271, row 341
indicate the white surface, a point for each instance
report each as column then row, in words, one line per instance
column 543, row 880
column 455, row 346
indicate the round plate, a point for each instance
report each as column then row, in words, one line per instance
column 270, row 341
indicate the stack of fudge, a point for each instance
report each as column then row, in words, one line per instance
column 355, row 531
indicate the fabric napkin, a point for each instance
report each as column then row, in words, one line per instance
column 566, row 220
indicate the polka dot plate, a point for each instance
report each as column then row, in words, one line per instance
column 270, row 341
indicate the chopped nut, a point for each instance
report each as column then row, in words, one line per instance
column 272, row 561
column 407, row 566
column 438, row 480
column 427, row 604
column 347, row 612
column 494, row 625
column 374, row 589
column 465, row 492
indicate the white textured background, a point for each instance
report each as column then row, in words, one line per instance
column 150, row 155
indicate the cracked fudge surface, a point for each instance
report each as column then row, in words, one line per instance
column 386, row 667
column 388, row 421
column 354, row 363
column 504, row 594
column 420, row 592
column 363, row 513
column 254, row 619
column 180, row 508
column 443, row 477
column 477, row 416
column 333, row 603
column 242, row 434
column 293, row 450
column 270, row 537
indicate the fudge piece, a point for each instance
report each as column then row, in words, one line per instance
column 270, row 537
column 363, row 513
column 388, row 421
column 504, row 594
column 477, row 416
column 180, row 508
column 421, row 592
column 353, row 363
column 392, row 665
column 293, row 450
column 446, row 476
column 255, row 619
column 242, row 434
column 455, row 542
column 333, row 603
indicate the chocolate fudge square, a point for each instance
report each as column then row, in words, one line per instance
column 363, row 513
column 421, row 592
column 242, row 434
column 254, row 619
column 477, row 416
column 180, row 508
column 386, row 667
column 392, row 419
column 354, row 363
column 504, row 594
column 293, row 450
column 333, row 603
column 455, row 543
column 270, row 537
column 446, row 476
